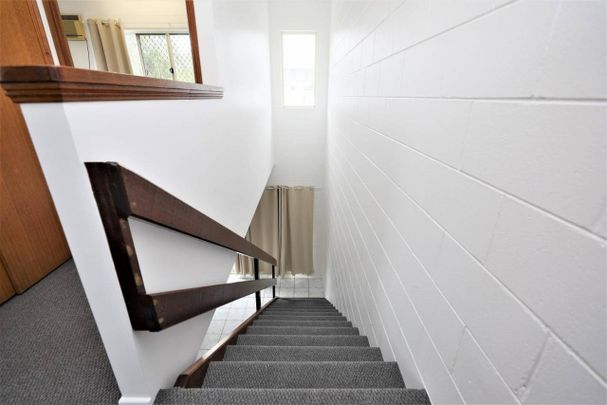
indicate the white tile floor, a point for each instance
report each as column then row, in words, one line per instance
column 229, row 316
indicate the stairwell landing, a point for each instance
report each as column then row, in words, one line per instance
column 299, row 351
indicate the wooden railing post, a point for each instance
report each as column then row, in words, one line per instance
column 273, row 276
column 257, row 293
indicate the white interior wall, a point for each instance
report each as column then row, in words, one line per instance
column 300, row 132
column 195, row 150
column 467, row 191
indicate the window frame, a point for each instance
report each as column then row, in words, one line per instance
column 167, row 34
column 59, row 40
column 282, row 67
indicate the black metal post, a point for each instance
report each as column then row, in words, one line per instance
column 257, row 293
column 274, row 286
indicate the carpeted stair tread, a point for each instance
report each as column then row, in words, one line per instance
column 271, row 374
column 301, row 312
column 301, row 318
column 262, row 322
column 302, row 340
column 301, row 307
column 301, row 353
column 294, row 301
column 303, row 304
column 252, row 396
column 300, row 330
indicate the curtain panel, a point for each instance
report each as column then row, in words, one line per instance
column 109, row 46
column 283, row 225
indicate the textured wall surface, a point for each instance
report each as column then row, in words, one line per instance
column 467, row 202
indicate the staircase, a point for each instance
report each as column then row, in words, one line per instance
column 299, row 351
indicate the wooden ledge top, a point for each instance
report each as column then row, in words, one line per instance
column 49, row 83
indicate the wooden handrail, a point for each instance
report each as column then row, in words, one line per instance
column 48, row 83
column 121, row 194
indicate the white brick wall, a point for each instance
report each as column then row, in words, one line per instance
column 467, row 193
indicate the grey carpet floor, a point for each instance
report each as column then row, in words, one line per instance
column 50, row 348
column 299, row 351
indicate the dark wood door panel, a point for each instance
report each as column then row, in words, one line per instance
column 6, row 287
column 31, row 238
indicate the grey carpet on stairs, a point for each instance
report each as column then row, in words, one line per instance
column 300, row 318
column 304, row 340
column 300, row 351
column 275, row 374
column 300, row 330
column 323, row 322
column 333, row 396
column 50, row 348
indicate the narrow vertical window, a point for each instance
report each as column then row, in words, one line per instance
column 298, row 61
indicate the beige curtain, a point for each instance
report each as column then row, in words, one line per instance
column 109, row 46
column 283, row 226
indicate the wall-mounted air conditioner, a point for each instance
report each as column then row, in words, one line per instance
column 73, row 27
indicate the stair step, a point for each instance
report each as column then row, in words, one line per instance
column 291, row 306
column 297, row 330
column 301, row 353
column 334, row 396
column 295, row 307
column 276, row 374
column 302, row 318
column 263, row 322
column 304, row 299
column 298, row 314
column 289, row 303
column 302, row 311
column 302, row 340
column 299, row 301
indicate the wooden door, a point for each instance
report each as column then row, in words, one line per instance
column 6, row 286
column 31, row 239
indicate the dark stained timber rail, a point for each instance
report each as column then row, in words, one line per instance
column 47, row 83
column 121, row 194
column 177, row 306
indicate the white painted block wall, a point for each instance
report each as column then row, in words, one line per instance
column 467, row 193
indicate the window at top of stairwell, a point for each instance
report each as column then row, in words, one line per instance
column 298, row 62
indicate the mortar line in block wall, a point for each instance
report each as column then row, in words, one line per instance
column 365, row 36
column 430, row 338
column 523, row 390
column 527, row 100
column 342, row 214
column 359, row 278
column 421, row 41
column 401, row 237
column 534, row 315
column 587, row 232
column 403, row 288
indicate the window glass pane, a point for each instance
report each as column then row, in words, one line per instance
column 132, row 47
column 182, row 57
column 155, row 55
column 298, row 52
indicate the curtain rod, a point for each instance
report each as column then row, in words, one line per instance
column 295, row 187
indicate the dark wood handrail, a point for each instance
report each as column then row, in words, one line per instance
column 48, row 83
column 173, row 307
column 121, row 194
